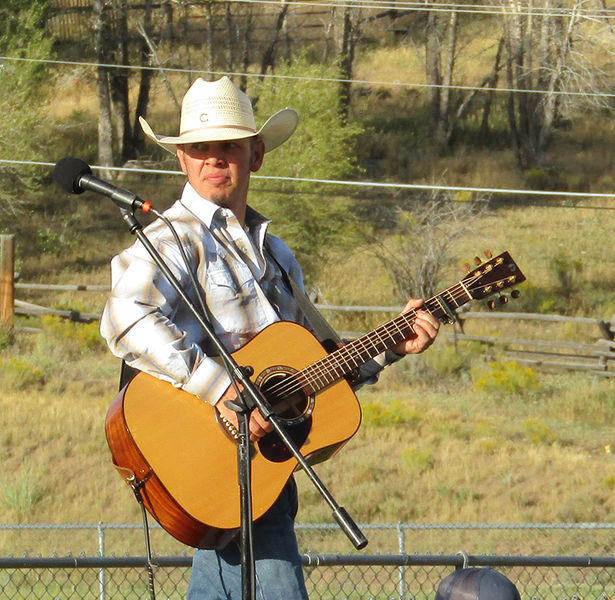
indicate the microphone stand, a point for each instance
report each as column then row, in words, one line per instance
column 248, row 398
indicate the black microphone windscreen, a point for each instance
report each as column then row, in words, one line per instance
column 67, row 173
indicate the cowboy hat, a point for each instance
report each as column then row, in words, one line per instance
column 215, row 111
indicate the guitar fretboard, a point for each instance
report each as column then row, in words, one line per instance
column 352, row 355
column 497, row 274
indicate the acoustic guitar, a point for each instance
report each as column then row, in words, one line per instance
column 182, row 455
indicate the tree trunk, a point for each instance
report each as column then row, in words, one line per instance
column 433, row 71
column 232, row 37
column 493, row 82
column 445, row 122
column 211, row 44
column 550, row 102
column 101, row 35
column 350, row 36
column 119, row 86
column 245, row 49
column 268, row 59
column 168, row 29
column 138, row 138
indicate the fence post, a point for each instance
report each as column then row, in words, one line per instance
column 401, row 571
column 101, row 551
column 7, row 279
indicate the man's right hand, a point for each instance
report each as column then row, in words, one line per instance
column 259, row 426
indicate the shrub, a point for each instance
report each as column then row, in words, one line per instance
column 23, row 493
column 418, row 460
column 6, row 337
column 537, row 432
column 447, row 360
column 504, row 378
column 18, row 374
column 567, row 273
column 79, row 336
column 609, row 482
column 397, row 414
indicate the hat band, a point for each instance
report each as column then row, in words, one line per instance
column 188, row 131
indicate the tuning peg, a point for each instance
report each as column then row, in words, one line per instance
column 515, row 294
column 491, row 304
column 465, row 267
column 503, row 299
column 488, row 254
column 477, row 260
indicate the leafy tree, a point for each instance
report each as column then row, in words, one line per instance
column 22, row 35
column 321, row 148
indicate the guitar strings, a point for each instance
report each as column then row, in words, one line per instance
column 344, row 360
column 340, row 360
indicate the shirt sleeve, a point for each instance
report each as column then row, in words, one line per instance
column 137, row 323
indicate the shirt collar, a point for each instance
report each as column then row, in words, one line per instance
column 206, row 211
column 202, row 209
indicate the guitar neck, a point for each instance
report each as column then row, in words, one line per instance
column 491, row 277
column 352, row 355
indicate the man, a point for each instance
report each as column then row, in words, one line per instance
column 239, row 269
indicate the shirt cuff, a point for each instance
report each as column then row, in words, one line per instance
column 209, row 381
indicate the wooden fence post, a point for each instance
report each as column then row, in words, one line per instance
column 7, row 280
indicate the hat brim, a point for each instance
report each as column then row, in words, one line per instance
column 276, row 130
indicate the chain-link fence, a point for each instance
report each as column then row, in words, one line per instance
column 560, row 562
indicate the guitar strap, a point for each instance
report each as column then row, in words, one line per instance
column 324, row 332
column 321, row 328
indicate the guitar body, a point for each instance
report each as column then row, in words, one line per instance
column 186, row 461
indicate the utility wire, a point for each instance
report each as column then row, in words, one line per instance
column 302, row 78
column 437, row 7
column 339, row 182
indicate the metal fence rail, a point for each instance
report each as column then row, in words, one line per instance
column 558, row 561
column 399, row 577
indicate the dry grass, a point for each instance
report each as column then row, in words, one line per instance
column 466, row 457
column 460, row 454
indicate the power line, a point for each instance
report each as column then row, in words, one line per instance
column 445, row 7
column 307, row 78
column 354, row 184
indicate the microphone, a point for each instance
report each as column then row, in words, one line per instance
column 75, row 177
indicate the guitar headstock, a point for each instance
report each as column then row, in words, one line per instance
column 492, row 277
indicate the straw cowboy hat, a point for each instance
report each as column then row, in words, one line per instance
column 215, row 111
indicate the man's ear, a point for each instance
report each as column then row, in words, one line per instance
column 179, row 152
column 258, row 154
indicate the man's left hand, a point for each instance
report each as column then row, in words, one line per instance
column 425, row 329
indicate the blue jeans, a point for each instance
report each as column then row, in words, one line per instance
column 216, row 574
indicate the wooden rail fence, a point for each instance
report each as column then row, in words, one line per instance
column 596, row 357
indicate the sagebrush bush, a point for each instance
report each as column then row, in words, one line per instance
column 74, row 336
column 447, row 360
column 538, row 432
column 22, row 493
column 377, row 415
column 418, row 460
column 19, row 374
column 504, row 378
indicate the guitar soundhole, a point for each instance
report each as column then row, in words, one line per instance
column 285, row 394
column 292, row 404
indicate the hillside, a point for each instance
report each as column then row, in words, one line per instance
column 433, row 447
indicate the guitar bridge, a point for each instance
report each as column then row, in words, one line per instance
column 228, row 427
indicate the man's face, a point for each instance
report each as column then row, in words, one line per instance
column 220, row 171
